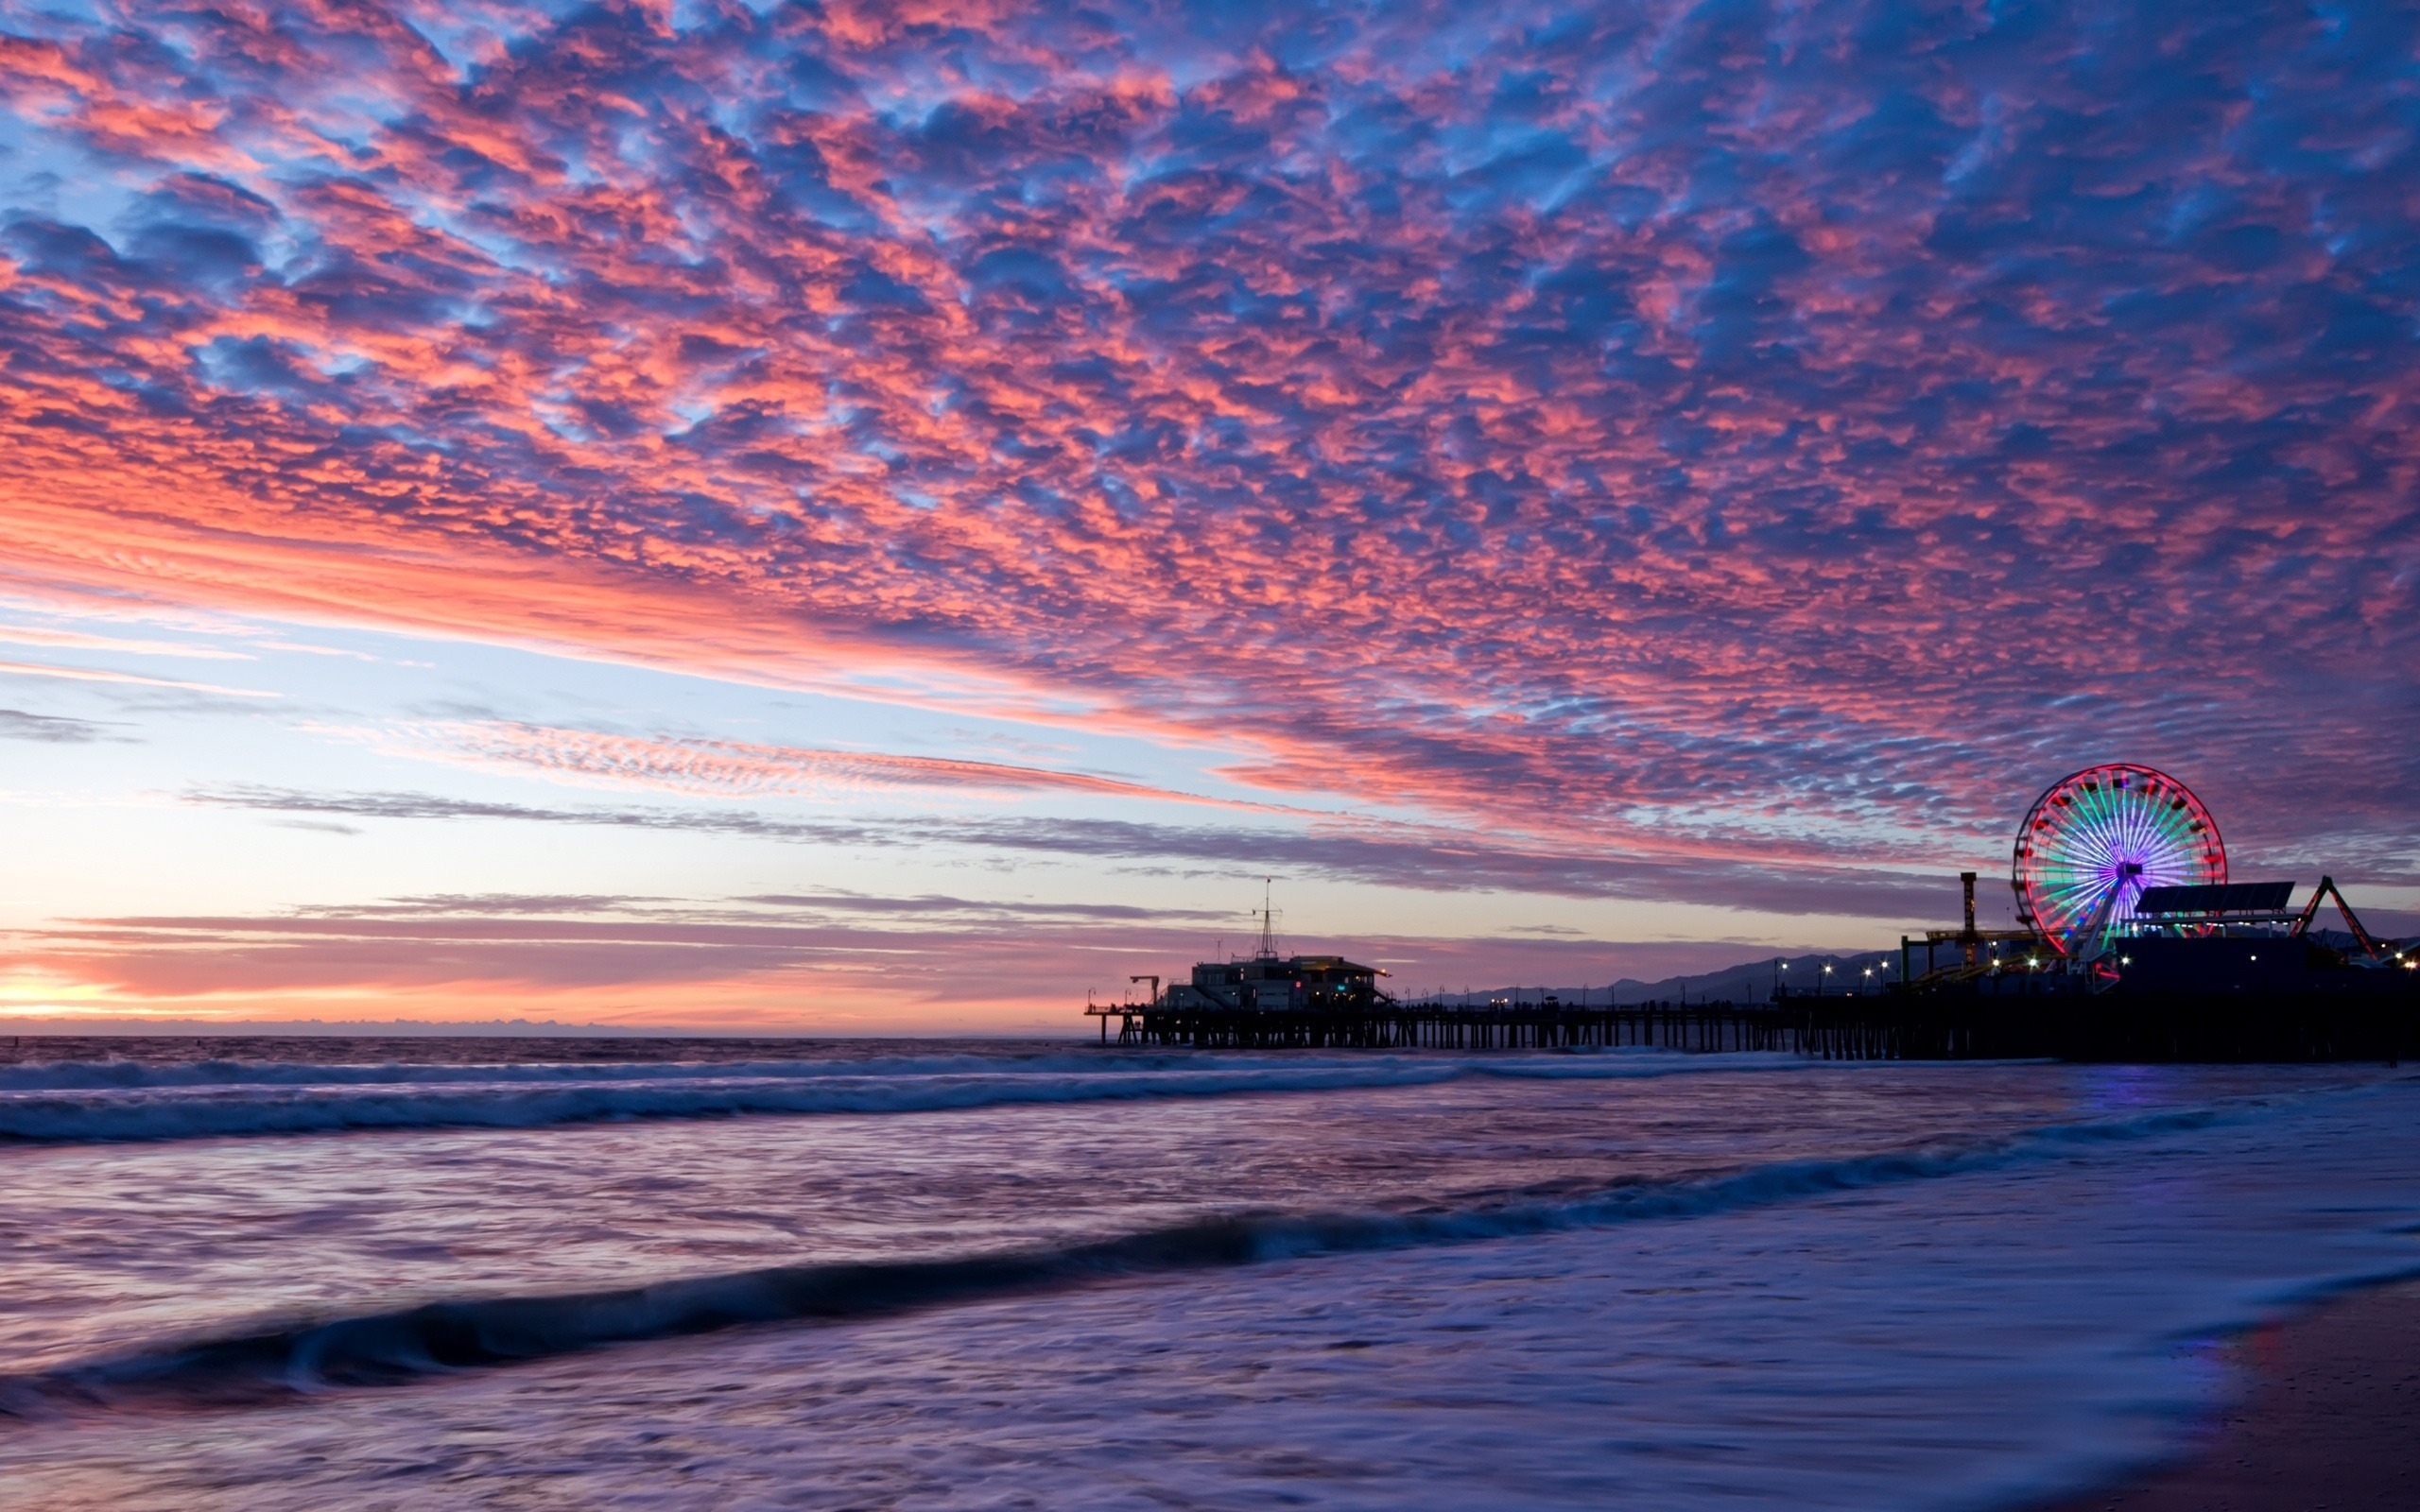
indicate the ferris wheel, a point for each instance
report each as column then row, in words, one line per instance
column 2090, row 845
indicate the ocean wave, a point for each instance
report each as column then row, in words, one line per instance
column 280, row 1360
column 107, row 1101
column 131, row 1075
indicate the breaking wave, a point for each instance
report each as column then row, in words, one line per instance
column 78, row 1101
column 388, row 1348
column 129, row 1074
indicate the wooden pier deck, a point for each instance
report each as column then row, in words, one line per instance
column 1898, row 1026
column 1796, row 1026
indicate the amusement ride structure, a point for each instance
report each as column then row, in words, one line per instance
column 2092, row 845
column 2115, row 866
column 2132, row 944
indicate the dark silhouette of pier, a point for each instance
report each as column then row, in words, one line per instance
column 1898, row 1026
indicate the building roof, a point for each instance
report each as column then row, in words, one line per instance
column 2216, row 898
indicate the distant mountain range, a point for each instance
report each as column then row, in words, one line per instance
column 1747, row 982
column 1754, row 981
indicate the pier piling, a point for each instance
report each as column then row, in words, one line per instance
column 1892, row 1027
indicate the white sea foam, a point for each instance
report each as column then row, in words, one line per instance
column 88, row 1101
column 76, row 1075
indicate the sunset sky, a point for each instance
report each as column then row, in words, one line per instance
column 889, row 517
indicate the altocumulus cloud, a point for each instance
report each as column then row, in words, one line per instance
column 1662, row 417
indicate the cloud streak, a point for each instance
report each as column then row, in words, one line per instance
column 129, row 680
column 84, row 641
column 52, row 730
column 662, row 959
column 730, row 768
column 1403, row 856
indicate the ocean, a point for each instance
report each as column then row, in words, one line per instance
column 470, row 1273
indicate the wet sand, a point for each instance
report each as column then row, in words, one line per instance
column 2332, row 1420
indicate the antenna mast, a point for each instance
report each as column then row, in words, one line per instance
column 1267, row 926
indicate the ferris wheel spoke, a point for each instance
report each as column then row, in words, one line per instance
column 2096, row 830
column 2096, row 839
column 2112, row 826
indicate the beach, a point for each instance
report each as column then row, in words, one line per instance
column 2330, row 1419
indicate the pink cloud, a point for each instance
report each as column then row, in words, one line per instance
column 770, row 963
column 1615, row 420
column 38, row 669
column 729, row 768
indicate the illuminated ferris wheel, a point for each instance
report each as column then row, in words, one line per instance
column 2090, row 845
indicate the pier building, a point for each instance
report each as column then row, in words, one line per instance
column 1327, row 984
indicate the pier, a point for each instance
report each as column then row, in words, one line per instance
column 1893, row 1027
column 1832, row 1031
column 2211, row 973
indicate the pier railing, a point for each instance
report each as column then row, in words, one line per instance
column 1705, row 1027
column 1894, row 1027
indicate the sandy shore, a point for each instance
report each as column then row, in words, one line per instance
column 2332, row 1422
